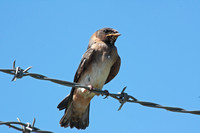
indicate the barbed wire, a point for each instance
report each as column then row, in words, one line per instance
column 121, row 97
column 25, row 127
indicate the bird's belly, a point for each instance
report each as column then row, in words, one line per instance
column 98, row 76
column 95, row 76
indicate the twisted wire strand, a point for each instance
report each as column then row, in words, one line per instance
column 121, row 97
column 25, row 127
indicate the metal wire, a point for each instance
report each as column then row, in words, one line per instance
column 121, row 97
column 25, row 127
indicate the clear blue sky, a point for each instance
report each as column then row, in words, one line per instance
column 159, row 48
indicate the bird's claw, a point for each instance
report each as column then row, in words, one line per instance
column 91, row 88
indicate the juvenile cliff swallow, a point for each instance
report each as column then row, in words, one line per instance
column 99, row 65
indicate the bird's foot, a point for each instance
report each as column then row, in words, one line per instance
column 91, row 88
column 88, row 90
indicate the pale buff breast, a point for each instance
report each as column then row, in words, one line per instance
column 95, row 76
column 97, row 73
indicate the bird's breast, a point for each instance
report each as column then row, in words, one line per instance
column 96, row 74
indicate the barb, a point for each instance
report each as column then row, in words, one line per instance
column 16, row 71
column 25, row 128
column 121, row 97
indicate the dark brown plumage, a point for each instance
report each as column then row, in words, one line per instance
column 99, row 65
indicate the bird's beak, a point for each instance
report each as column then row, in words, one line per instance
column 114, row 34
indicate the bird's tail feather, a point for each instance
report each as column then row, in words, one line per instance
column 64, row 104
column 72, row 118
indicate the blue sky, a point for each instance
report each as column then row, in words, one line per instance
column 159, row 48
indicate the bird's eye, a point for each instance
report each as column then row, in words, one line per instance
column 106, row 31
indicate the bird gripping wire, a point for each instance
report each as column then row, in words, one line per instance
column 121, row 97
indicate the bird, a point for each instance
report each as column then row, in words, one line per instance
column 98, row 66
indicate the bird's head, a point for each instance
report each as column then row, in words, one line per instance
column 106, row 35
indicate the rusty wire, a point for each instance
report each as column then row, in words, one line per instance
column 25, row 127
column 121, row 97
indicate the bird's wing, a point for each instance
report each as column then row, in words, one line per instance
column 114, row 70
column 85, row 62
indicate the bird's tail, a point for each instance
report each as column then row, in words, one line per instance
column 71, row 118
